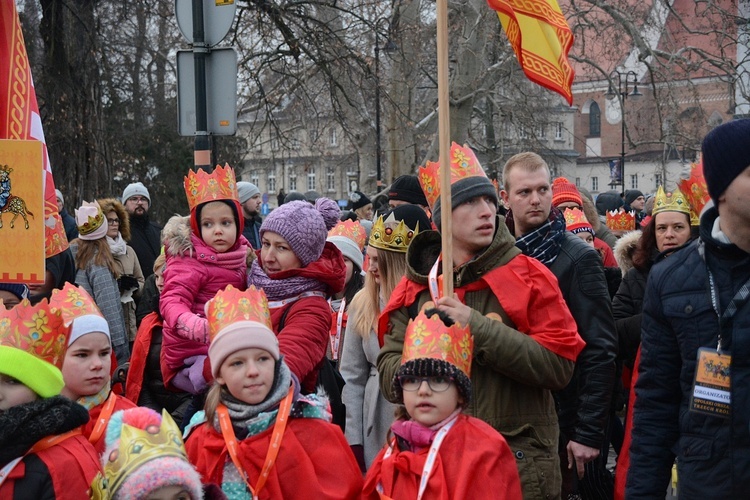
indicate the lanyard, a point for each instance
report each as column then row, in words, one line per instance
column 103, row 420
column 273, row 449
column 432, row 280
column 739, row 300
column 281, row 303
column 40, row 445
column 336, row 338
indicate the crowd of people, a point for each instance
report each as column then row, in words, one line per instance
column 313, row 354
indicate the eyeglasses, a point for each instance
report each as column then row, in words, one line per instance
column 113, row 222
column 138, row 199
column 437, row 384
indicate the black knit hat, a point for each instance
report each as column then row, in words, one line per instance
column 463, row 191
column 358, row 199
column 631, row 195
column 406, row 188
column 430, row 367
column 726, row 153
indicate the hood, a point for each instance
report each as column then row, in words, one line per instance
column 624, row 249
column 110, row 204
column 176, row 236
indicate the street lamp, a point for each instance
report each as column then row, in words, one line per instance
column 623, row 79
column 389, row 47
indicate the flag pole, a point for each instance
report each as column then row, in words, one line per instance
column 444, row 143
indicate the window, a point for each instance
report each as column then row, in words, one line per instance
column 293, row 181
column 657, row 180
column 541, row 131
column 634, row 181
column 595, row 183
column 311, row 179
column 295, row 141
column 558, row 131
column 330, row 179
column 333, row 140
column 258, row 145
column 595, row 120
column 255, row 178
column 522, row 132
column 578, row 182
column 274, row 140
column 272, row 182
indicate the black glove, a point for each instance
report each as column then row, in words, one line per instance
column 127, row 282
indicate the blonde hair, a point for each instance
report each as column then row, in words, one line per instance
column 528, row 161
column 160, row 262
column 213, row 398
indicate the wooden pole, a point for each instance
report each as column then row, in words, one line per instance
column 444, row 143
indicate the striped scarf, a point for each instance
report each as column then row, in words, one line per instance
column 543, row 243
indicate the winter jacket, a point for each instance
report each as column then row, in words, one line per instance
column 194, row 273
column 69, row 222
column 128, row 265
column 713, row 452
column 251, row 231
column 517, row 361
column 145, row 238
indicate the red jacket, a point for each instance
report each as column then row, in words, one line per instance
column 139, row 356
column 474, row 461
column 95, row 413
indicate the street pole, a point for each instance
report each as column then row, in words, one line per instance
column 378, row 157
column 623, row 79
column 202, row 144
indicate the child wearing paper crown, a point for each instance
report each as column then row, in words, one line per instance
column 205, row 253
column 87, row 363
column 254, row 402
column 438, row 452
column 42, row 451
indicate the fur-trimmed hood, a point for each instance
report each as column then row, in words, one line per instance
column 176, row 237
column 624, row 249
column 111, row 204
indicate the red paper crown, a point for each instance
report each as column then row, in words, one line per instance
column 430, row 338
column 575, row 220
column 231, row 305
column 621, row 221
column 201, row 187
column 36, row 330
column 352, row 230
column 695, row 188
column 72, row 302
column 464, row 164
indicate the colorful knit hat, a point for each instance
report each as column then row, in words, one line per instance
column 304, row 226
column 91, row 221
column 576, row 221
column 78, row 311
column 349, row 237
column 565, row 191
column 144, row 452
column 33, row 340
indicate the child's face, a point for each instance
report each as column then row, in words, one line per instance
column 14, row 393
column 87, row 366
column 587, row 237
column 218, row 228
column 276, row 254
column 248, row 374
column 429, row 407
column 177, row 492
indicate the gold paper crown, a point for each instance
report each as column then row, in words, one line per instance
column 231, row 305
column 391, row 234
column 37, row 330
column 464, row 164
column 89, row 217
column 72, row 302
column 670, row 202
column 352, row 230
column 201, row 187
column 576, row 219
column 695, row 190
column 621, row 221
column 136, row 448
column 430, row 338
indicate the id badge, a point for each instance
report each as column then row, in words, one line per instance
column 711, row 387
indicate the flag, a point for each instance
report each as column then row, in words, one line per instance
column 541, row 38
column 19, row 115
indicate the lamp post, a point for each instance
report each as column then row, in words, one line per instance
column 623, row 79
column 389, row 47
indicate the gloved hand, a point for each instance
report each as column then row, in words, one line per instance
column 190, row 377
column 127, row 282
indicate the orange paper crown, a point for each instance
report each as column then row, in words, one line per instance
column 695, row 188
column 231, row 305
column 464, row 164
column 352, row 230
column 36, row 330
column 621, row 221
column 72, row 302
column 201, row 187
column 575, row 220
column 430, row 338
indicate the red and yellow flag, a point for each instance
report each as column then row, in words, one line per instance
column 19, row 115
column 541, row 38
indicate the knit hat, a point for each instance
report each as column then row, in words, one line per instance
column 246, row 190
column 304, row 226
column 631, row 195
column 563, row 191
column 726, row 153
column 406, row 188
column 312, row 196
column 91, row 222
column 238, row 320
column 59, row 197
column 608, row 202
column 19, row 290
column 32, row 346
column 294, row 196
column 144, row 452
column 358, row 199
column 350, row 238
column 135, row 189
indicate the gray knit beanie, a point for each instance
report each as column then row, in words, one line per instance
column 464, row 190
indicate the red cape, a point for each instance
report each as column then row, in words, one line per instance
column 623, row 459
column 527, row 292
column 474, row 461
column 314, row 461
column 139, row 356
column 121, row 404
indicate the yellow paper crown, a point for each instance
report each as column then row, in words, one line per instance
column 392, row 234
column 576, row 219
column 231, row 305
column 695, row 190
column 36, row 330
column 72, row 302
column 352, row 230
column 202, row 187
column 670, row 202
column 464, row 164
column 621, row 221
column 430, row 338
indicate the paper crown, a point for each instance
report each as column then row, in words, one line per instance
column 464, row 164
column 576, row 221
column 36, row 330
column 392, row 235
column 201, row 187
column 72, row 302
column 352, row 230
column 670, row 202
column 231, row 305
column 695, row 188
column 621, row 221
column 136, row 448
column 89, row 217
column 430, row 338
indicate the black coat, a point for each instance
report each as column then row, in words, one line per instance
column 145, row 238
column 626, row 309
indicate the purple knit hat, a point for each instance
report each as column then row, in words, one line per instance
column 304, row 226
